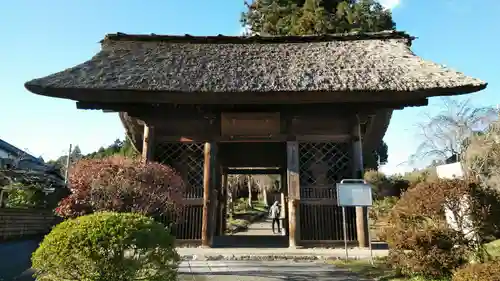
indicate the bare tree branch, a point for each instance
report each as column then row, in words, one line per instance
column 446, row 134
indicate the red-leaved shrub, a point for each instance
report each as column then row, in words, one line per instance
column 488, row 271
column 122, row 185
column 420, row 239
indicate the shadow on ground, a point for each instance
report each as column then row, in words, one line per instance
column 260, row 275
column 266, row 271
column 15, row 259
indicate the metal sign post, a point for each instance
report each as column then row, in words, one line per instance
column 345, row 234
column 369, row 236
column 354, row 193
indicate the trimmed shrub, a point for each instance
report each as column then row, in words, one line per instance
column 107, row 247
column 489, row 271
column 122, row 185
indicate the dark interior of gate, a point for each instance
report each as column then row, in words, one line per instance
column 250, row 158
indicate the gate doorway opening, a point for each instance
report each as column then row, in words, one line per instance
column 252, row 180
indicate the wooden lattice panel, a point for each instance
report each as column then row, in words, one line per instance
column 321, row 166
column 187, row 159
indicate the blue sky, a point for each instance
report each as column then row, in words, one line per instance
column 42, row 37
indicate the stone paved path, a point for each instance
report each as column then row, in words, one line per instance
column 261, row 271
column 259, row 228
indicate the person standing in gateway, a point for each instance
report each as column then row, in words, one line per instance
column 274, row 214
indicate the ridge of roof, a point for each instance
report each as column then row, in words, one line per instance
column 223, row 39
column 17, row 151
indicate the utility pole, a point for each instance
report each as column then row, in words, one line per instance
column 67, row 164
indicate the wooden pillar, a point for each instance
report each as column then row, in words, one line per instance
column 358, row 173
column 148, row 143
column 293, row 184
column 209, row 195
column 215, row 187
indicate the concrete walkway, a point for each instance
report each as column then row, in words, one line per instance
column 259, row 228
column 262, row 271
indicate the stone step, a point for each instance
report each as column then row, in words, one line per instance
column 259, row 254
column 250, row 241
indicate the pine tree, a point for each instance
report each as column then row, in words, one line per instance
column 76, row 154
column 302, row 17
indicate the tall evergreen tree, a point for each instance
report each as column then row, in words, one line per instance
column 302, row 17
column 308, row 17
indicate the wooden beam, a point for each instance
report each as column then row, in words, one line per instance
column 270, row 138
column 274, row 138
column 293, row 183
column 148, row 143
column 257, row 171
column 326, row 138
column 298, row 97
column 217, row 138
column 195, row 109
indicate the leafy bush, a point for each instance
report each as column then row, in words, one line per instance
column 418, row 235
column 25, row 196
column 421, row 240
column 489, row 271
column 107, row 247
column 382, row 208
column 122, row 185
column 384, row 186
column 427, row 252
column 33, row 196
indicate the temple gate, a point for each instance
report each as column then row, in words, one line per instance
column 308, row 107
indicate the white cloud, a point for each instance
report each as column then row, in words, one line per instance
column 390, row 4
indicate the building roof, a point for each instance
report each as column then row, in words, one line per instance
column 351, row 64
column 7, row 147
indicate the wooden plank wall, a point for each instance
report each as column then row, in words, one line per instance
column 20, row 223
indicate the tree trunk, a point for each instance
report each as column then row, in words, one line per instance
column 230, row 203
column 249, row 183
column 264, row 191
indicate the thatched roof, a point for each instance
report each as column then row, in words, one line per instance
column 130, row 65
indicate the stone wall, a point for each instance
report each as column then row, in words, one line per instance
column 25, row 223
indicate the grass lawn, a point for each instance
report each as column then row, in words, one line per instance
column 379, row 271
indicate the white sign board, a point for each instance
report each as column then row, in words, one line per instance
column 450, row 171
column 358, row 194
